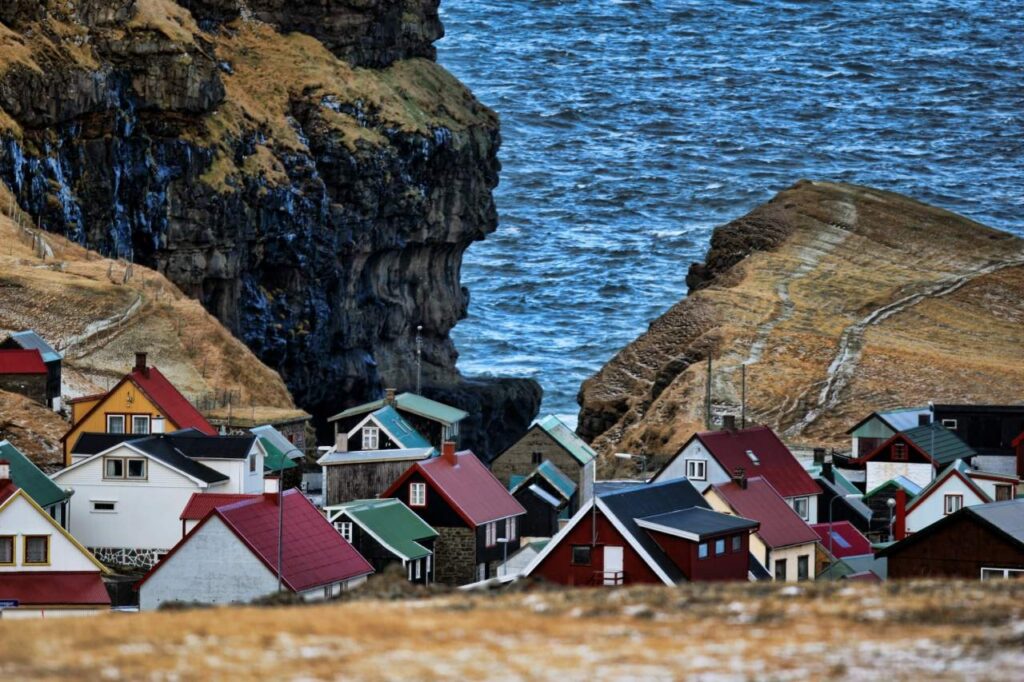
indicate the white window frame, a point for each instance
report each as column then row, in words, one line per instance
column 697, row 469
column 806, row 501
column 140, row 417
column 1001, row 573
column 418, row 568
column 371, row 438
column 417, row 494
column 950, row 424
column 491, row 534
column 345, row 528
column 950, row 497
column 94, row 510
column 124, row 423
column 510, row 528
column 127, row 469
column 427, row 572
column 106, row 471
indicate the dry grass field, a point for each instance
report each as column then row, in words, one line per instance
column 842, row 631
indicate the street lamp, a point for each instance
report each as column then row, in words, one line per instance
column 280, row 511
column 831, row 504
column 504, row 555
column 642, row 458
column 891, row 504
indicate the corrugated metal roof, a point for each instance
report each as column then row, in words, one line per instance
column 29, row 340
column 367, row 456
column 170, row 401
column 410, row 402
column 278, row 439
column 854, row 503
column 1007, row 516
column 163, row 449
column 943, row 445
column 544, row 495
column 698, row 521
column 201, row 504
column 567, row 438
column 389, row 521
column 401, row 430
column 21, row 362
column 780, row 525
column 548, row 471
column 845, row 539
column 275, row 459
column 760, row 453
column 64, row 588
column 904, row 418
column 27, row 476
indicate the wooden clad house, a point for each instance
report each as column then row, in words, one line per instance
column 878, row 427
column 957, row 486
column 23, row 372
column 662, row 533
column 435, row 421
column 476, row 517
column 917, row 454
column 29, row 340
column 550, row 440
column 143, row 402
column 545, row 494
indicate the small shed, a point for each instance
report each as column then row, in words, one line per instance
column 29, row 340
column 23, row 372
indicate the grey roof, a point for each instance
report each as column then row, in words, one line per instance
column 943, row 445
column 1007, row 516
column 29, row 340
column 698, row 521
column 854, row 503
column 179, row 449
column 606, row 487
column 91, row 443
column 197, row 445
column 903, row 419
column 410, row 402
column 367, row 456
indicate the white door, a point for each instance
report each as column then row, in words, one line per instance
column 612, row 565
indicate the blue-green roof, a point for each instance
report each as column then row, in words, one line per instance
column 549, row 472
column 514, row 480
column 567, row 438
column 410, row 402
column 912, row 489
column 279, row 440
column 275, row 459
column 389, row 522
column 401, row 431
column 943, row 445
column 29, row 340
column 27, row 476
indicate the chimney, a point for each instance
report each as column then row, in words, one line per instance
column 448, row 452
column 899, row 523
column 5, row 470
column 826, row 471
column 739, row 477
column 158, row 425
column 729, row 422
column 140, row 364
column 389, row 396
column 271, row 497
column 819, row 456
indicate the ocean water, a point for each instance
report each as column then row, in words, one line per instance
column 632, row 128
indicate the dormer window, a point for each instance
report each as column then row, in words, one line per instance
column 140, row 423
column 371, row 437
column 418, row 495
column 115, row 423
column 899, row 452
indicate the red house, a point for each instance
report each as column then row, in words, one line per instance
column 25, row 373
column 662, row 533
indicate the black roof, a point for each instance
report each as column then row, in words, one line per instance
column 163, row 448
column 198, row 445
column 700, row 521
column 92, row 443
column 648, row 500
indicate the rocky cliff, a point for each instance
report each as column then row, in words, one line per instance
column 839, row 300
column 302, row 168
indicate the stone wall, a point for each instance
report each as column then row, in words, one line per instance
column 455, row 556
column 518, row 459
column 32, row 386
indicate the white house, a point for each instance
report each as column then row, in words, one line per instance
column 44, row 571
column 956, row 487
column 127, row 499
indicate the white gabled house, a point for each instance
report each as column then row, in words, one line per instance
column 128, row 498
column 956, row 487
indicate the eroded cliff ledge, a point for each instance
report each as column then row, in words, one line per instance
column 840, row 300
column 302, row 168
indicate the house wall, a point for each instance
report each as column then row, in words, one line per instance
column 125, row 399
column 455, row 558
column 518, row 460
column 212, row 567
column 812, row 507
column 790, row 554
column 19, row 518
column 878, row 472
column 32, row 386
column 757, row 546
column 932, row 508
column 384, row 441
column 347, row 482
column 147, row 512
column 541, row 520
column 695, row 450
column 595, row 531
column 242, row 481
column 715, row 567
column 960, row 549
column 869, row 436
column 989, row 484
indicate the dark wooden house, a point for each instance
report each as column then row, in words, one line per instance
column 476, row 517
column 877, row 500
column 29, row 340
column 23, row 372
column 984, row 541
column 435, row 421
column 988, row 429
column 349, row 476
column 545, row 494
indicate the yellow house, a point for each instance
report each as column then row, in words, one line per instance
column 143, row 402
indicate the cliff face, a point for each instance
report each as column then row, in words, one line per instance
column 839, row 300
column 319, row 208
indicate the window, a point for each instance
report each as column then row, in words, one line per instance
column 136, row 468
column 581, row 555
column 371, row 437
column 801, row 505
column 418, row 495
column 737, row 543
column 780, row 569
column 104, row 506
column 510, row 528
column 1002, row 574
column 345, row 528
column 537, row 457
column 753, row 458
column 949, row 424
column 952, row 503
column 702, row 550
column 113, row 468
column 720, row 546
column 252, row 463
column 1004, row 492
column 140, row 423
column 6, row 550
column 802, row 568
column 37, row 549
column 115, row 423
column 899, row 452
column 697, row 469
column 418, row 565
column 481, row 572
column 491, row 532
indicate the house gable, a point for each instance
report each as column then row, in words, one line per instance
column 20, row 515
column 693, row 450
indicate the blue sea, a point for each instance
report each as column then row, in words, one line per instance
column 631, row 129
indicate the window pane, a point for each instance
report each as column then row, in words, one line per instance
column 36, row 550
column 140, row 424
column 737, row 543
column 103, row 506
column 581, row 555
column 136, row 468
column 7, row 550
column 720, row 546
column 115, row 424
column 780, row 569
column 702, row 550
column 115, row 468
column 802, row 568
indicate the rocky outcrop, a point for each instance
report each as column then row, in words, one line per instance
column 839, row 300
column 319, row 209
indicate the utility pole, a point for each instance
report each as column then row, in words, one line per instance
column 743, row 396
column 419, row 359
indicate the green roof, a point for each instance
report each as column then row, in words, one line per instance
column 943, row 445
column 401, row 430
column 901, row 481
column 553, row 475
column 410, row 402
column 278, row 439
column 389, row 522
column 567, row 438
column 29, row 478
column 275, row 459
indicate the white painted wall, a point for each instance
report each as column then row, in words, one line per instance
column 716, row 475
column 989, row 486
column 790, row 554
column 147, row 511
column 212, row 567
column 812, row 507
column 242, row 480
column 880, row 472
column 20, row 518
column 932, row 509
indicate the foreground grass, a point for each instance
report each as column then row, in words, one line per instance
column 934, row 631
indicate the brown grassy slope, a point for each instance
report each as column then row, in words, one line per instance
column 863, row 270
column 64, row 297
column 33, row 429
column 932, row 631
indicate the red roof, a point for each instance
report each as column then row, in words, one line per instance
column 774, row 461
column 1018, row 440
column 55, row 588
column 314, row 553
column 7, row 489
column 780, row 525
column 467, row 485
column 847, row 541
column 201, row 504
column 171, row 402
column 21, row 362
